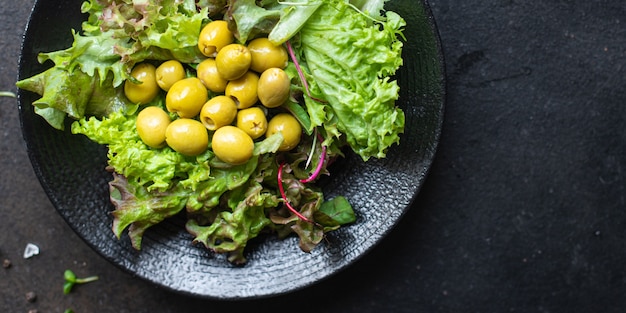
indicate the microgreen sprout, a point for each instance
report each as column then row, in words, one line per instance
column 320, row 162
column 71, row 280
column 284, row 195
column 7, row 94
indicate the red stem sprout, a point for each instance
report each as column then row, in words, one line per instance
column 320, row 164
column 300, row 72
column 282, row 193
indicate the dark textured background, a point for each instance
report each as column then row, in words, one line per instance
column 523, row 210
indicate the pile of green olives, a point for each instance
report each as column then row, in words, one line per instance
column 226, row 103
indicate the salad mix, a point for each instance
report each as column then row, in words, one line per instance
column 228, row 111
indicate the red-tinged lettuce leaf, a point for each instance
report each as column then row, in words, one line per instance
column 222, row 179
column 310, row 234
column 155, row 30
column 231, row 229
column 216, row 8
column 138, row 209
column 307, row 201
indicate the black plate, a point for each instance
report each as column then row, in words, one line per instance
column 71, row 171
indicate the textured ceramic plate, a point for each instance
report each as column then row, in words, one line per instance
column 71, row 171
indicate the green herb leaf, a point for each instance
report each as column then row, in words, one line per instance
column 67, row 287
column 339, row 210
column 69, row 276
column 71, row 280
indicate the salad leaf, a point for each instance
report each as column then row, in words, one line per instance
column 116, row 36
column 371, row 7
column 278, row 21
column 292, row 20
column 159, row 30
column 338, row 210
column 351, row 59
column 93, row 55
column 251, row 20
column 209, row 192
column 216, row 7
column 138, row 209
column 62, row 93
column 74, row 93
column 232, row 230
column 128, row 154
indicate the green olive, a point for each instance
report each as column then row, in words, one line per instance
column 186, row 97
column 232, row 145
column 151, row 125
column 213, row 37
column 274, row 87
column 168, row 73
column 286, row 124
column 187, row 136
column 217, row 112
column 147, row 89
column 252, row 121
column 266, row 55
column 244, row 90
column 210, row 77
column 233, row 61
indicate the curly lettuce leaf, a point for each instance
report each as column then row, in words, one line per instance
column 93, row 55
column 156, row 169
column 351, row 59
column 116, row 36
column 232, row 229
column 142, row 29
column 138, row 209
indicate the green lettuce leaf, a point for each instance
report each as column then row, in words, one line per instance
column 116, row 36
column 75, row 94
column 351, row 59
column 156, row 169
column 63, row 92
column 279, row 21
column 372, row 8
column 93, row 55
